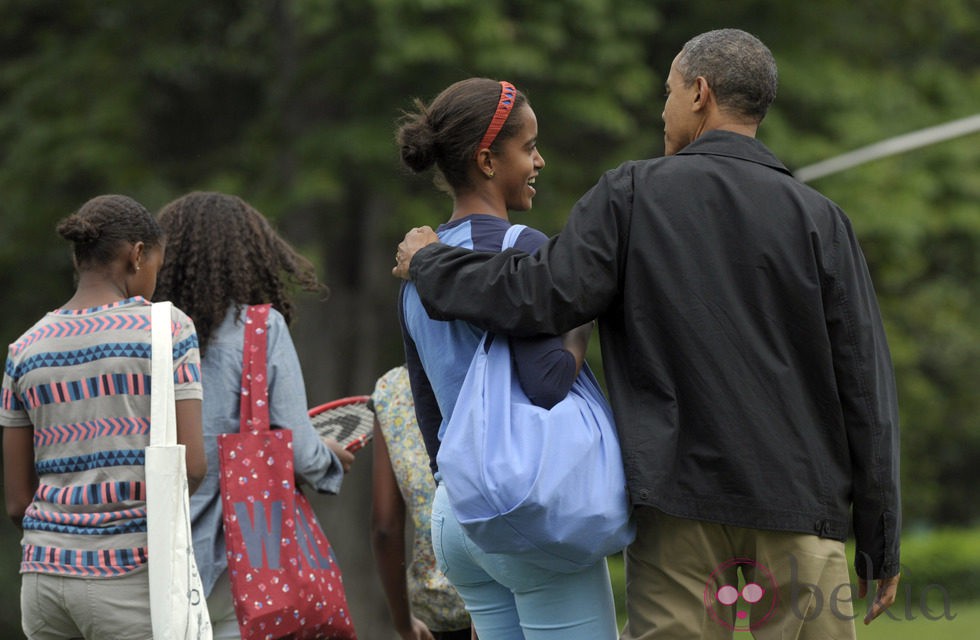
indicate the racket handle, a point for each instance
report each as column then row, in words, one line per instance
column 358, row 443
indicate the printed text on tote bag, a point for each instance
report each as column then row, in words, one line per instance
column 263, row 536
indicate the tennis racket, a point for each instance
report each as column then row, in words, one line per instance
column 349, row 421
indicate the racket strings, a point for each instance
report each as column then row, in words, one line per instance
column 349, row 424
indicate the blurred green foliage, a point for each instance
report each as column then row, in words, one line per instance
column 946, row 557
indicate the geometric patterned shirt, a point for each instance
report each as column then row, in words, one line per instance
column 81, row 379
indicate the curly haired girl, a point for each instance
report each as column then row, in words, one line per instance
column 222, row 256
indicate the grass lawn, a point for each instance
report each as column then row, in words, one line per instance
column 908, row 622
column 965, row 623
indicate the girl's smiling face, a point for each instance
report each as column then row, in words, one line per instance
column 518, row 161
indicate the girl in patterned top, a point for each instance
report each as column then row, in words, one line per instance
column 75, row 416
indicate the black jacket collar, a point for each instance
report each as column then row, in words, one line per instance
column 734, row 145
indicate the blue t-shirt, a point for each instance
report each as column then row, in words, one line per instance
column 438, row 353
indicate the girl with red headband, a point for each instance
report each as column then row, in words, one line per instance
column 481, row 137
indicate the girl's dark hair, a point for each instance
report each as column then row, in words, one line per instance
column 446, row 132
column 103, row 224
column 222, row 252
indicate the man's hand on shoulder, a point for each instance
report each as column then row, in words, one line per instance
column 414, row 240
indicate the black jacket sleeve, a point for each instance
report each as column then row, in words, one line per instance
column 866, row 387
column 571, row 280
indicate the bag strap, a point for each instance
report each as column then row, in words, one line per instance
column 510, row 238
column 163, row 413
column 254, row 405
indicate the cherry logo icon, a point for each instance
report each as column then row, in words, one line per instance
column 730, row 603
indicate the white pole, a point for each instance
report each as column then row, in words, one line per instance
column 889, row 147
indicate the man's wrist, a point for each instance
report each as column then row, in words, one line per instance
column 415, row 264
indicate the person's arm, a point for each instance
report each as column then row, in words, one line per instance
column 187, row 394
column 866, row 384
column 572, row 280
column 315, row 463
column 576, row 342
column 546, row 367
column 345, row 457
column 428, row 415
column 388, row 516
column 885, row 593
column 189, row 434
column 19, row 477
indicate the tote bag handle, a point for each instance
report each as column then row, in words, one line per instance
column 254, row 404
column 163, row 414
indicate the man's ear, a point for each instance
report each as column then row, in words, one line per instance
column 702, row 94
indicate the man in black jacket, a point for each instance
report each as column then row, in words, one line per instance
column 744, row 355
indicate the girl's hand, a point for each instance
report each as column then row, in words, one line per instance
column 418, row 631
column 346, row 457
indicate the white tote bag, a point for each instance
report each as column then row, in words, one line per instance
column 177, row 605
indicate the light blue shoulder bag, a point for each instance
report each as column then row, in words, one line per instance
column 545, row 484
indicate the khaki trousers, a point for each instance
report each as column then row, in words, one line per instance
column 55, row 607
column 688, row 579
column 221, row 609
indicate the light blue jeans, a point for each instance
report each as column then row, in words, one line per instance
column 509, row 598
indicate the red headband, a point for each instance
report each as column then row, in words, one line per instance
column 508, row 94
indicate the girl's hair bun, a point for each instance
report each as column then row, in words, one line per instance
column 100, row 225
column 446, row 132
column 78, row 230
column 416, row 140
